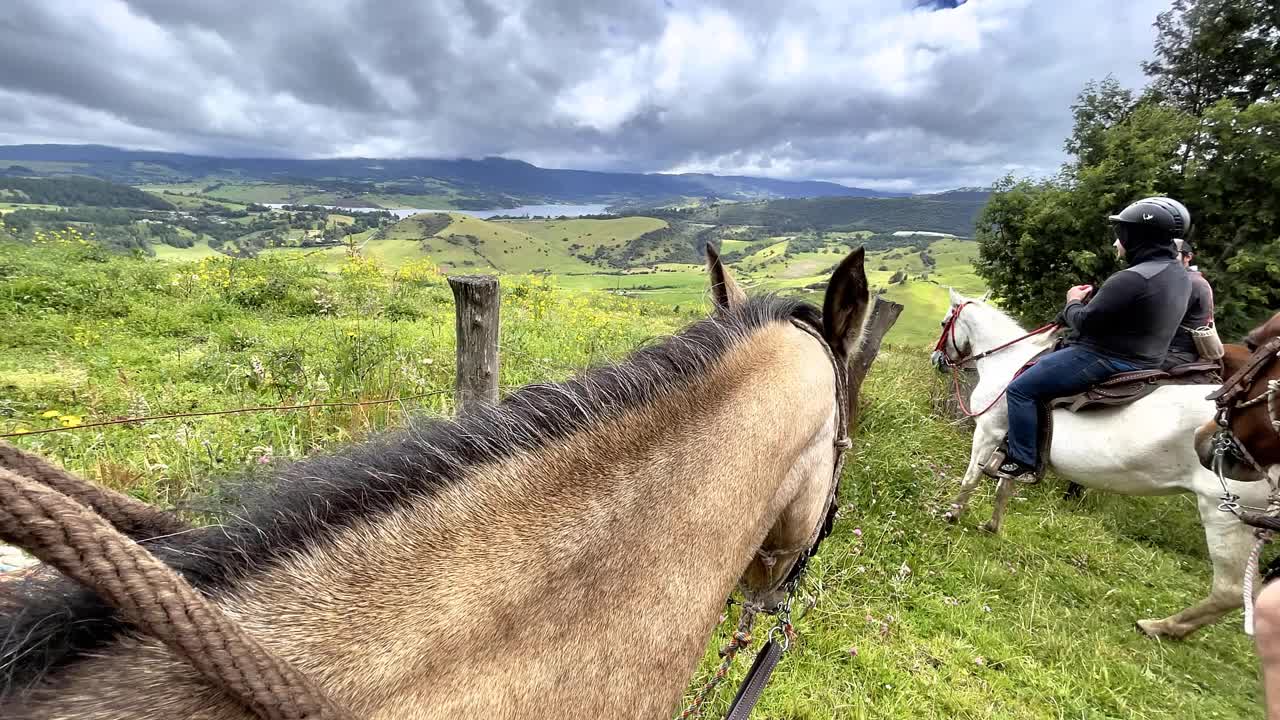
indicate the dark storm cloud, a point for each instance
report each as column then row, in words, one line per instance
column 897, row 93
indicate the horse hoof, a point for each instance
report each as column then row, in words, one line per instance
column 1151, row 628
column 953, row 513
column 991, row 527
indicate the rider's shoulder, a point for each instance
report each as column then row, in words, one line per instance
column 1146, row 270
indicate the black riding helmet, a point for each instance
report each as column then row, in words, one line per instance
column 1153, row 220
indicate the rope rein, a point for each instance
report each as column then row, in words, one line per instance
column 740, row 639
column 151, row 596
column 131, row 517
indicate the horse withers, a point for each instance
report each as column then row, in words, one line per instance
column 1143, row 448
column 566, row 553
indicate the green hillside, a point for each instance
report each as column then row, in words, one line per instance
column 578, row 254
column 77, row 191
column 951, row 213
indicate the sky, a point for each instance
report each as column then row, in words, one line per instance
column 913, row 95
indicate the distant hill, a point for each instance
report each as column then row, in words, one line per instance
column 77, row 192
column 491, row 179
column 953, row 212
column 960, row 194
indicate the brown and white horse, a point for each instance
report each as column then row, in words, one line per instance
column 1253, row 413
column 565, row 554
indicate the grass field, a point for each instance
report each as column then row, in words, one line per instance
column 7, row 207
column 199, row 251
column 914, row 618
column 184, row 201
column 244, row 192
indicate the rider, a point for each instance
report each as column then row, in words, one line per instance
column 1199, row 311
column 1127, row 326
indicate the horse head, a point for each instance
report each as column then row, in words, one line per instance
column 1249, row 406
column 954, row 341
column 808, row 502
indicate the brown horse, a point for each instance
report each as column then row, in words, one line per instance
column 1252, row 426
column 566, row 553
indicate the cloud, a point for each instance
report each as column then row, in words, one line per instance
column 899, row 94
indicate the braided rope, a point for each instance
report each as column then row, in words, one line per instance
column 134, row 518
column 740, row 639
column 151, row 596
column 1251, row 569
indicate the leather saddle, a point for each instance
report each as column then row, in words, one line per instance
column 1129, row 387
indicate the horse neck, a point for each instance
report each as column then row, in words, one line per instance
column 583, row 579
column 989, row 329
column 595, row 572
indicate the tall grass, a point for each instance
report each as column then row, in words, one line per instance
column 86, row 336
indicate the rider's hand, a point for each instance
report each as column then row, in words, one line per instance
column 1079, row 293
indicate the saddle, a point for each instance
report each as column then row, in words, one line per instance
column 1116, row 391
column 1129, row 387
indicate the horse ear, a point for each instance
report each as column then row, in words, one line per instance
column 724, row 290
column 844, row 309
column 985, row 296
column 956, row 298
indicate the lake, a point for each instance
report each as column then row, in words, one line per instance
column 522, row 211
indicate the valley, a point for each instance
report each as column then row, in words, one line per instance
column 652, row 252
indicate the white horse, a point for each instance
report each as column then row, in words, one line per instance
column 1144, row 448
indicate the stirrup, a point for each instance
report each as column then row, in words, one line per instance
column 992, row 467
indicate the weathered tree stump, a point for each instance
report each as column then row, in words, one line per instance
column 476, row 303
column 884, row 313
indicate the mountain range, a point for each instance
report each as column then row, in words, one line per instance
column 514, row 180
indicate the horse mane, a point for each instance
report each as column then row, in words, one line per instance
column 1005, row 324
column 49, row 621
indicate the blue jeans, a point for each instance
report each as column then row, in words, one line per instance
column 1058, row 374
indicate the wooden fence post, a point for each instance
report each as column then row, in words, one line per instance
column 884, row 313
column 476, row 302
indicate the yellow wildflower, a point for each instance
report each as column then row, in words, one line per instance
column 71, row 420
column 47, row 414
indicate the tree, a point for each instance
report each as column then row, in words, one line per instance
column 1237, row 194
column 1100, row 106
column 1204, row 132
column 1211, row 50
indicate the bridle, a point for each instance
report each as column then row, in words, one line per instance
column 1230, row 398
column 955, row 366
column 841, row 445
column 780, row 635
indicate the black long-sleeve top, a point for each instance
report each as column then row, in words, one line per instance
column 1136, row 312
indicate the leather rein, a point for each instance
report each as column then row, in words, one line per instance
column 779, row 637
